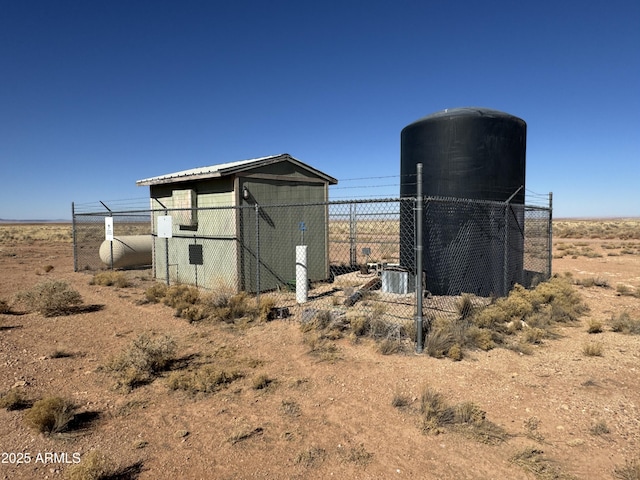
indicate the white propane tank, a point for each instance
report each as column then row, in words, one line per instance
column 128, row 251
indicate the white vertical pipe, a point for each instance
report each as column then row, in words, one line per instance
column 302, row 279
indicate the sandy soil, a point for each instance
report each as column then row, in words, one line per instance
column 316, row 419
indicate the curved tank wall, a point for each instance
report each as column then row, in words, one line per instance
column 128, row 251
column 468, row 153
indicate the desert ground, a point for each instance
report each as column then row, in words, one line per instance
column 560, row 410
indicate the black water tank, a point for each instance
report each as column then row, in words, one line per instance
column 468, row 153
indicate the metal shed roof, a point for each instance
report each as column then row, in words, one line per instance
column 224, row 169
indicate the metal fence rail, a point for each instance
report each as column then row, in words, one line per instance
column 360, row 255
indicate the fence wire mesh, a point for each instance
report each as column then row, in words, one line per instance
column 360, row 255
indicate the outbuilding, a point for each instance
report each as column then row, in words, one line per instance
column 238, row 224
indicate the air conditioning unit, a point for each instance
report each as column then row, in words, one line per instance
column 399, row 282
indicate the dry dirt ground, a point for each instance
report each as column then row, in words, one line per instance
column 316, row 419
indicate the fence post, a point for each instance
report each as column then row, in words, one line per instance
column 73, row 235
column 505, row 260
column 257, row 208
column 550, row 235
column 419, row 262
column 353, row 256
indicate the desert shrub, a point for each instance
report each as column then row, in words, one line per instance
column 623, row 323
column 626, row 290
column 480, row 338
column 599, row 428
column 533, row 461
column 533, row 335
column 192, row 313
column 311, row 456
column 97, row 466
column 434, row 411
column 390, row 346
column 466, row 418
column 142, row 360
column 320, row 346
column 156, row 292
column 265, row 306
column 594, row 326
column 455, row 352
column 13, row 400
column 50, row 415
column 357, row 455
column 93, row 466
column 206, row 379
column 631, row 471
column 109, row 279
column 50, row 298
column 400, row 400
column 465, row 306
column 227, row 307
column 531, row 425
column 181, row 296
column 261, row 382
column 592, row 349
column 4, row 307
column 438, row 342
column 290, row 408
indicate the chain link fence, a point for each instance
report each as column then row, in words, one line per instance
column 357, row 255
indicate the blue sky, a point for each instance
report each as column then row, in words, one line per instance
column 96, row 95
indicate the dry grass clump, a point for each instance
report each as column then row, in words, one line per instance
column 466, row 417
column 206, row 379
column 97, row 466
column 93, row 466
column 110, row 279
column 623, row 323
column 358, row 455
column 599, row 428
column 311, row 456
column 400, row 400
column 180, row 297
column 230, row 307
column 222, row 304
column 592, row 349
column 290, row 408
column 262, row 382
column 4, row 307
column 631, row 471
column 533, row 461
column 626, row 290
column 390, row 346
column 13, row 400
column 50, row 298
column 50, row 415
column 594, row 326
column 142, row 360
column 320, row 327
column 156, row 292
column 321, row 347
column 531, row 312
